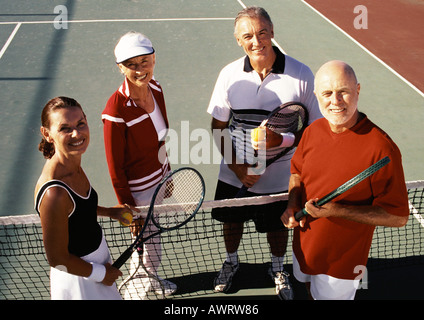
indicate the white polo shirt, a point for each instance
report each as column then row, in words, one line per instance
column 242, row 97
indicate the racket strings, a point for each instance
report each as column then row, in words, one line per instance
column 177, row 199
column 288, row 119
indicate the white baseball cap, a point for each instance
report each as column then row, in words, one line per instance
column 132, row 44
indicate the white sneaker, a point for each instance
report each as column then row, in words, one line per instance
column 224, row 279
column 283, row 286
column 169, row 287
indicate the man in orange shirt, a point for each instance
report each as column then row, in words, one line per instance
column 334, row 239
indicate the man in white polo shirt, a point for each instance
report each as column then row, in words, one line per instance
column 245, row 92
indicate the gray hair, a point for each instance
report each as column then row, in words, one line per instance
column 253, row 12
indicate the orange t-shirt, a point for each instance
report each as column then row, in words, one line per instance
column 325, row 160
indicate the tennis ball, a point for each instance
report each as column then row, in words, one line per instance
column 258, row 134
column 127, row 215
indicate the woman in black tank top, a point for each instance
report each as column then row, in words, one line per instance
column 68, row 208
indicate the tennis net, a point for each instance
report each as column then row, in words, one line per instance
column 192, row 255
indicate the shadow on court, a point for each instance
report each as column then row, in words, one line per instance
column 23, row 159
column 402, row 279
column 249, row 278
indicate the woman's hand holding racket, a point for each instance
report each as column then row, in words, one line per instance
column 176, row 200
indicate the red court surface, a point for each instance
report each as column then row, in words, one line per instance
column 395, row 31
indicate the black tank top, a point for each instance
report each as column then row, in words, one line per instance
column 85, row 233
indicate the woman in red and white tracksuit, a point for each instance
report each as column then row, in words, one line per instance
column 135, row 127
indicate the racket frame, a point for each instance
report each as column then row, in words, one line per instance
column 243, row 189
column 138, row 242
column 346, row 186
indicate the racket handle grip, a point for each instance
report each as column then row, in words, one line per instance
column 242, row 191
column 123, row 258
column 300, row 214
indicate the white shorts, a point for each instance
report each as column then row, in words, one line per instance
column 325, row 287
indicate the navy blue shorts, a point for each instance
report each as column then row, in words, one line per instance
column 266, row 217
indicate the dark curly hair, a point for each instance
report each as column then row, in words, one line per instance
column 45, row 147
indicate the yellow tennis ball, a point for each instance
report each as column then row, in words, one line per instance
column 258, row 134
column 127, row 215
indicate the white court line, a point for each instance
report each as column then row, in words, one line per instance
column 416, row 214
column 12, row 35
column 242, row 4
column 137, row 20
column 273, row 40
column 366, row 50
column 118, row 20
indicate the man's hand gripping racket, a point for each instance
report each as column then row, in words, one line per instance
column 291, row 117
column 346, row 186
column 176, row 200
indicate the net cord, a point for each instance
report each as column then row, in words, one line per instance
column 207, row 205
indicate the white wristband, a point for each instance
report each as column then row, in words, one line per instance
column 98, row 272
column 288, row 140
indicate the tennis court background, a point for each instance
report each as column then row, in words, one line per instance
column 193, row 41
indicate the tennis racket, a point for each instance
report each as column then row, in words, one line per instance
column 289, row 117
column 346, row 186
column 176, row 200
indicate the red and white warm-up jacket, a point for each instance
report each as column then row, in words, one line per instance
column 132, row 145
